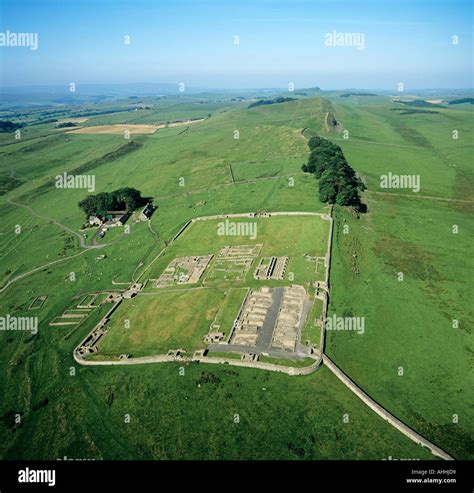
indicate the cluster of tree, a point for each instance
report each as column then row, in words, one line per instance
column 127, row 199
column 338, row 182
column 347, row 94
column 402, row 111
column 419, row 103
column 261, row 102
column 461, row 101
column 66, row 124
column 42, row 122
column 7, row 126
column 101, row 112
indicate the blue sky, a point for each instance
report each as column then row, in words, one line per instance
column 82, row 41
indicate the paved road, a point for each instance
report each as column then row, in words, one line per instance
column 266, row 331
column 265, row 337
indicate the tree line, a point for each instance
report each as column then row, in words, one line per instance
column 278, row 100
column 338, row 182
column 127, row 199
column 66, row 125
column 7, row 126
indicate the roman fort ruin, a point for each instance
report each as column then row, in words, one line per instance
column 264, row 320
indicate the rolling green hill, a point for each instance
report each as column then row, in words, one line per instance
column 205, row 170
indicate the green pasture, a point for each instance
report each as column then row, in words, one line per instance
column 158, row 323
column 203, row 171
column 293, row 236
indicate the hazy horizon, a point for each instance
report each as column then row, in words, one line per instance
column 240, row 45
column 142, row 85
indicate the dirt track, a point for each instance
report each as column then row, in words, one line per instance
column 66, row 228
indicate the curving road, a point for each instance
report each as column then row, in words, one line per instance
column 57, row 223
column 64, row 227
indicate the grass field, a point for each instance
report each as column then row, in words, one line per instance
column 311, row 331
column 205, row 170
column 225, row 317
column 409, row 323
column 169, row 320
column 179, row 316
column 303, row 235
